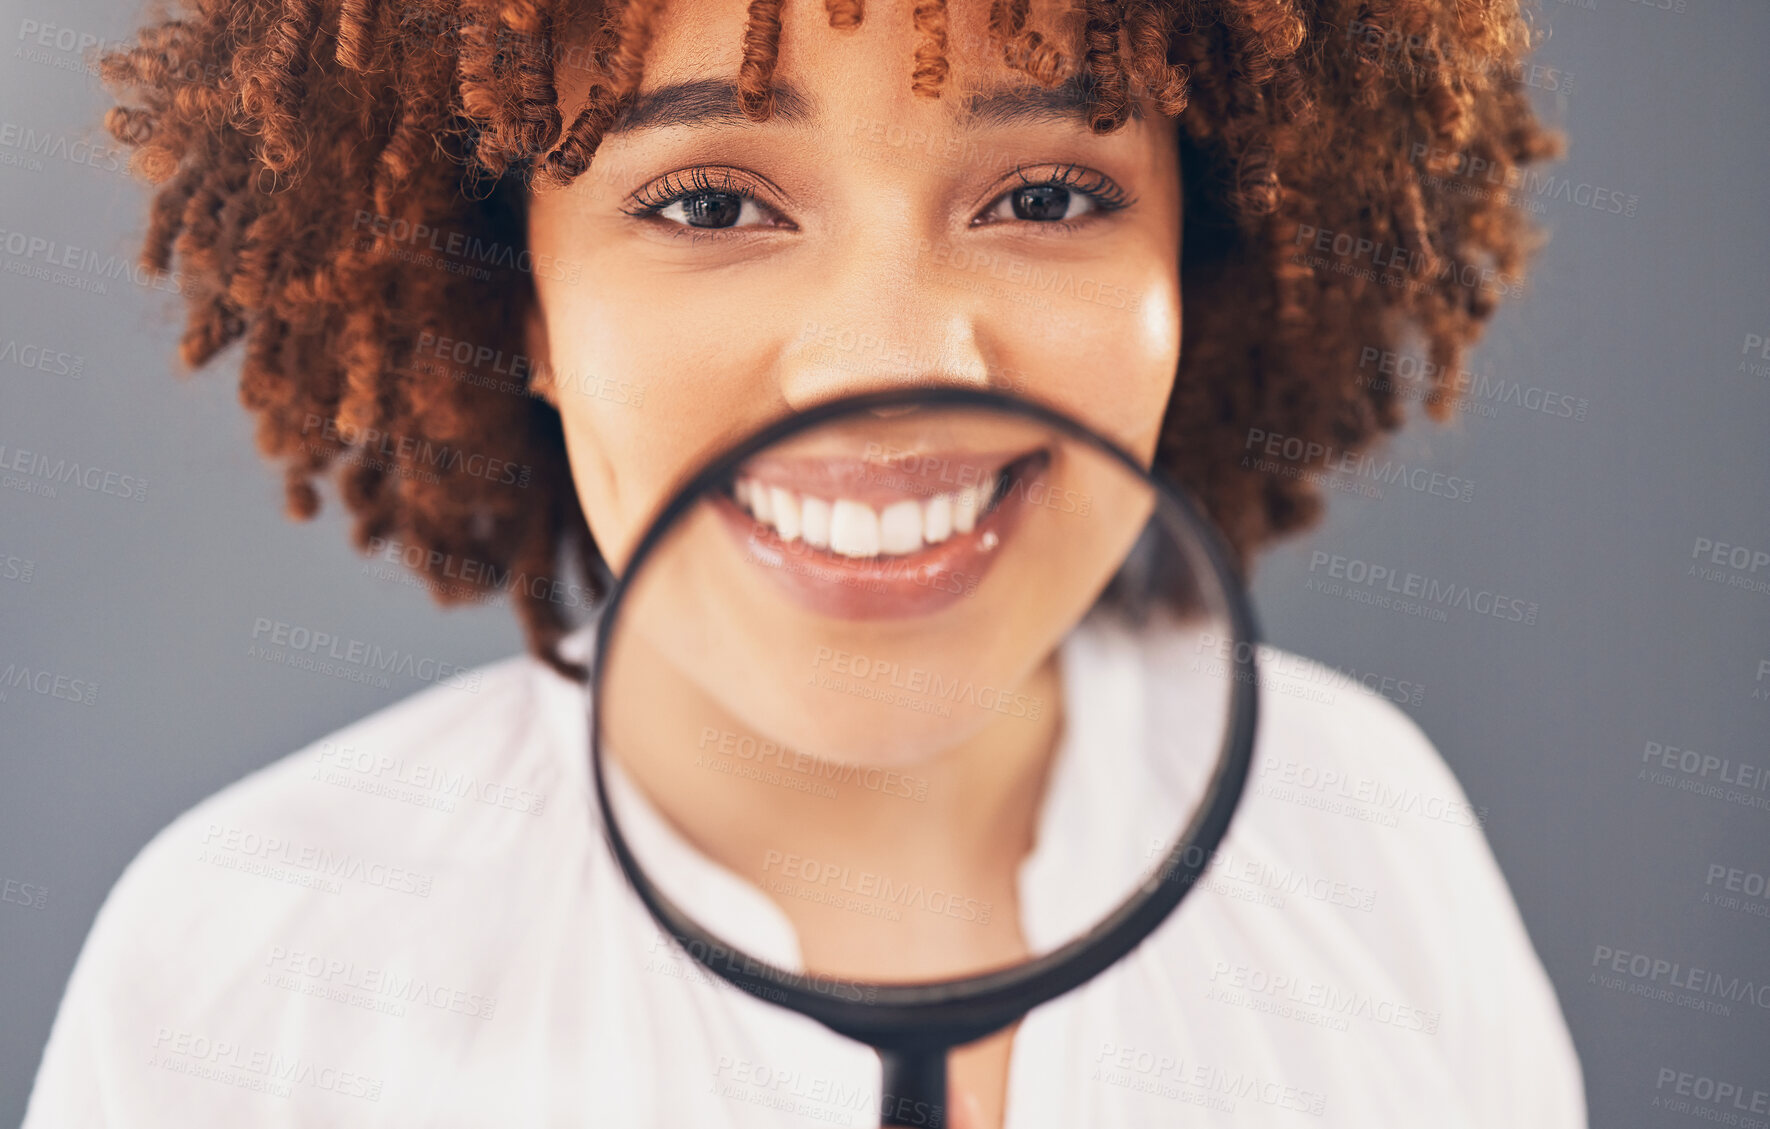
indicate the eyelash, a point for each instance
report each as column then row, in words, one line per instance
column 1104, row 193
column 673, row 188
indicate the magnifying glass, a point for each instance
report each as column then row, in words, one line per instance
column 898, row 723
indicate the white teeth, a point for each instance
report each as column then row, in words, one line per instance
column 938, row 520
column 965, row 510
column 854, row 529
column 814, row 518
column 900, row 527
column 785, row 507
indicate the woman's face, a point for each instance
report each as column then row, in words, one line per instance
column 719, row 274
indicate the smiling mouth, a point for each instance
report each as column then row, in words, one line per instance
column 860, row 512
column 866, row 540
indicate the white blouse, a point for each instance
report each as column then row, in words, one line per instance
column 416, row 922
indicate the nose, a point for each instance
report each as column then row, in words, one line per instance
column 886, row 317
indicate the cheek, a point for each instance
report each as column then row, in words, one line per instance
column 1108, row 359
column 604, row 409
column 642, row 395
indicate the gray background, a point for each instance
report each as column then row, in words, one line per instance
column 1594, row 520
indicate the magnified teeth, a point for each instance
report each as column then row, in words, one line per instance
column 937, row 521
column 814, row 519
column 965, row 510
column 900, row 527
column 785, row 508
column 854, row 529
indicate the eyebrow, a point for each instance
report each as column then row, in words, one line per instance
column 713, row 102
column 1024, row 103
column 704, row 102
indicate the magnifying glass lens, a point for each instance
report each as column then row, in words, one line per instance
column 914, row 695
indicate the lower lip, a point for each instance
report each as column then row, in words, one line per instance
column 897, row 587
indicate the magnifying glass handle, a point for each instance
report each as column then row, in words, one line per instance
column 914, row 1088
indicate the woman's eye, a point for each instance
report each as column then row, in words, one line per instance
column 714, row 210
column 1040, row 203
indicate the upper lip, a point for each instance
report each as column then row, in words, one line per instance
column 883, row 479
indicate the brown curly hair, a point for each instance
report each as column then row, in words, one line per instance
column 262, row 122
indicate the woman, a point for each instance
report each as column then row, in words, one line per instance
column 515, row 266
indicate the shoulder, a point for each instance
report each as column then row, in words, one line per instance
column 365, row 859
column 381, row 804
column 1368, row 825
column 1328, row 739
column 1357, row 875
column 1340, row 735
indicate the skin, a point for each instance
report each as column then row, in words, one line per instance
column 873, row 208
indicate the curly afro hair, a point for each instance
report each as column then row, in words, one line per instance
column 1321, row 147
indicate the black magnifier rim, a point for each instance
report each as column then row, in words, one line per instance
column 951, row 1011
